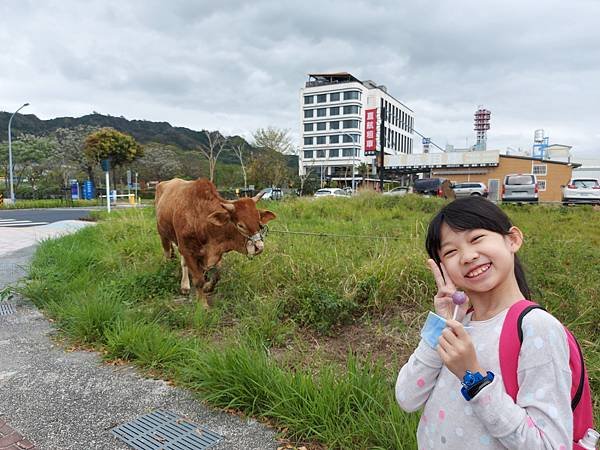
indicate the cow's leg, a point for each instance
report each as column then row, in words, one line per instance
column 167, row 248
column 185, row 277
column 212, row 273
column 197, row 272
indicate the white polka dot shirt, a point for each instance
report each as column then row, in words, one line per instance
column 541, row 417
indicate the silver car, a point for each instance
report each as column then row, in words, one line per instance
column 470, row 188
column 520, row 187
column 581, row 190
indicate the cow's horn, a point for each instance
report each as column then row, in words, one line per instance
column 228, row 206
column 258, row 196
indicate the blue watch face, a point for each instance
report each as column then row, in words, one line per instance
column 471, row 378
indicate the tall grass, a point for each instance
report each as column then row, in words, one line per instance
column 108, row 287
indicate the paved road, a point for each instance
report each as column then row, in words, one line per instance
column 70, row 400
column 34, row 217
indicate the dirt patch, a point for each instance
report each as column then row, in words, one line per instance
column 389, row 339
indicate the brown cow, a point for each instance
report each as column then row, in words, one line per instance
column 193, row 216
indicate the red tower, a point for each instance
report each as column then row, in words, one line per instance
column 482, row 124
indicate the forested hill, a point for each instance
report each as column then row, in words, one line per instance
column 143, row 131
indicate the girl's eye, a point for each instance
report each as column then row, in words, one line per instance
column 449, row 253
column 476, row 238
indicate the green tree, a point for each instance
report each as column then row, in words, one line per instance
column 108, row 143
column 269, row 168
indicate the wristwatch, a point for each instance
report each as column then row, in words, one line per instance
column 472, row 383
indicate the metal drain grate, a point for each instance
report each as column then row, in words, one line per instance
column 6, row 309
column 164, row 430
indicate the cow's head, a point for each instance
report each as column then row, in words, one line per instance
column 247, row 219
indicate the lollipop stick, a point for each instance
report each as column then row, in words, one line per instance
column 455, row 312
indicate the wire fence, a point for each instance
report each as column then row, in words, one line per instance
column 352, row 236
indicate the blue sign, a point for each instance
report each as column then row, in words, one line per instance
column 426, row 141
column 75, row 190
column 88, row 190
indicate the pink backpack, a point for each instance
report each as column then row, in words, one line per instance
column 511, row 339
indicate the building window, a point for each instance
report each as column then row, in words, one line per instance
column 308, row 154
column 348, row 151
column 320, row 153
column 321, row 126
column 308, row 141
column 321, row 112
column 308, row 99
column 334, row 125
column 350, row 124
column 351, row 109
column 334, row 153
column 321, row 98
column 541, row 185
column 540, row 169
column 335, row 139
column 321, row 140
column 347, row 138
column 351, row 95
column 334, row 97
column 334, row 111
column 308, row 113
column 309, row 126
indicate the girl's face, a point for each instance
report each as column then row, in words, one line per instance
column 479, row 260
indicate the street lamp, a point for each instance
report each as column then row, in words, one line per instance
column 10, row 164
column 353, row 158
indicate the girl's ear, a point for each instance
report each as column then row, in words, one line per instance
column 515, row 239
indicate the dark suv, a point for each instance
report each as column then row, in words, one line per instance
column 437, row 187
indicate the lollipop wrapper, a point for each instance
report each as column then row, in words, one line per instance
column 432, row 330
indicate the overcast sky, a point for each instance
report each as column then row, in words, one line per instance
column 237, row 66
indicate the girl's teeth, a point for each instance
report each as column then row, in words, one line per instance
column 478, row 271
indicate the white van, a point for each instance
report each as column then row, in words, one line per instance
column 520, row 187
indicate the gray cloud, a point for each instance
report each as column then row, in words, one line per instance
column 237, row 65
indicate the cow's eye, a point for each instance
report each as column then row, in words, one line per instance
column 241, row 226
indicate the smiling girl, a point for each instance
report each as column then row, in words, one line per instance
column 472, row 245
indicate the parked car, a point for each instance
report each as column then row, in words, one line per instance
column 272, row 194
column 581, row 190
column 438, row 187
column 402, row 190
column 520, row 187
column 467, row 189
column 330, row 192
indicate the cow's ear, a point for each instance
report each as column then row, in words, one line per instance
column 219, row 218
column 266, row 216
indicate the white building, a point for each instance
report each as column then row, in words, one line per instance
column 341, row 120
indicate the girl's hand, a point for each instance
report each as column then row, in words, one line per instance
column 457, row 351
column 442, row 302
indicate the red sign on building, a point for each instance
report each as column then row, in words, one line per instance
column 370, row 131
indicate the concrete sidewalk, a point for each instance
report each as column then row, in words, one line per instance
column 70, row 400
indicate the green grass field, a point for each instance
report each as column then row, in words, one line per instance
column 310, row 335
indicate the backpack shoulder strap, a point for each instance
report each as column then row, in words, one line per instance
column 511, row 338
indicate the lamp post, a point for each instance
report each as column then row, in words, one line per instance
column 10, row 164
column 353, row 158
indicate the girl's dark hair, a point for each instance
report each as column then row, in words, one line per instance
column 470, row 213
